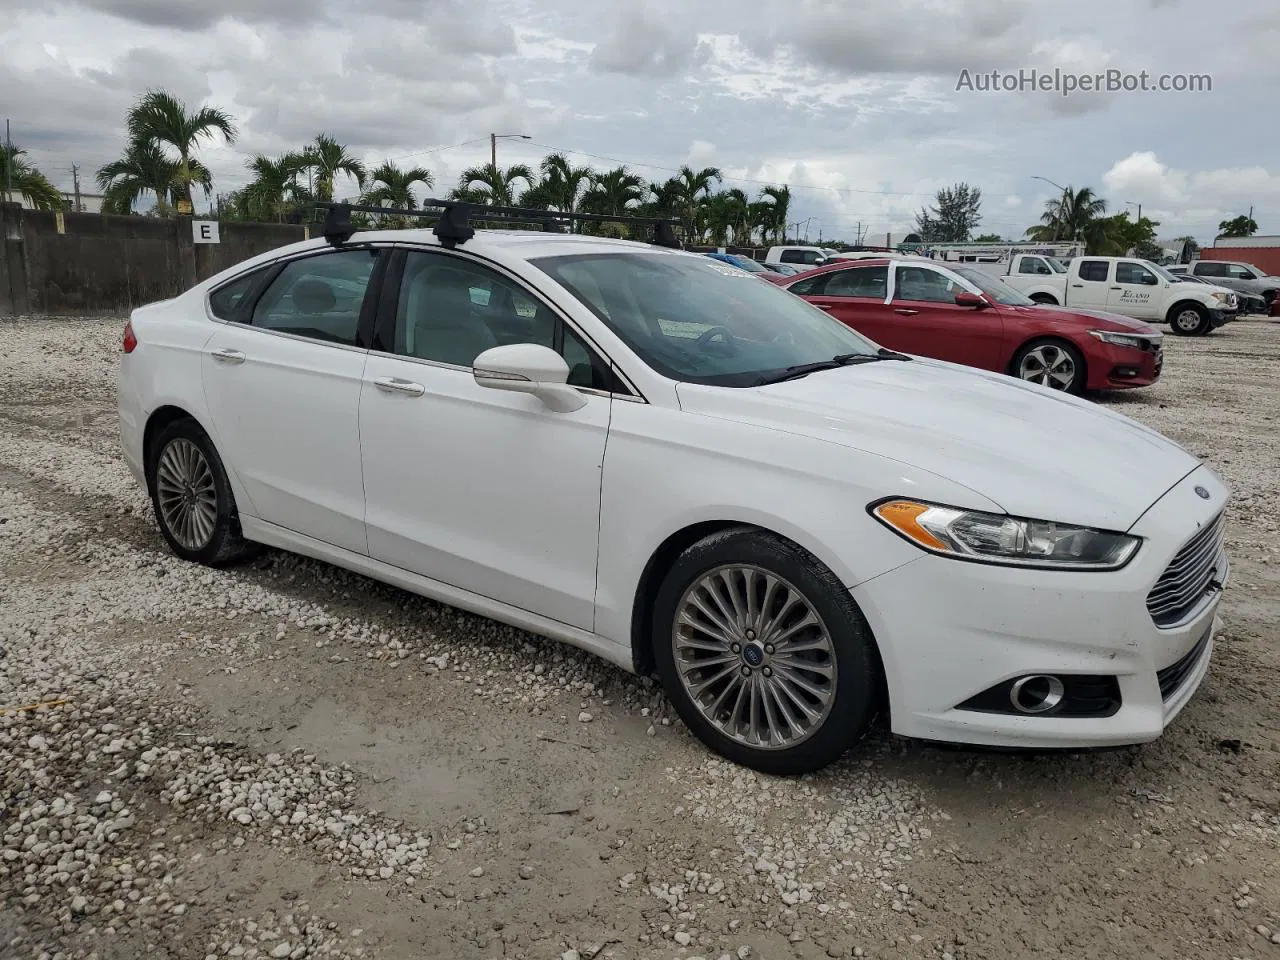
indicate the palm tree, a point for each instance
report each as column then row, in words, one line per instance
column 694, row 189
column 160, row 120
column 491, row 184
column 20, row 177
column 727, row 213
column 779, row 204
column 564, row 184
column 144, row 169
column 325, row 158
column 1069, row 216
column 274, row 185
column 390, row 185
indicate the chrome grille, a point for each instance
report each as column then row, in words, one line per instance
column 1188, row 575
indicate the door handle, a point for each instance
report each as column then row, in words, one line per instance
column 396, row 385
column 1077, row 285
column 905, row 311
column 227, row 356
column 1115, row 288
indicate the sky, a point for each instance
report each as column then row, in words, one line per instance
column 863, row 108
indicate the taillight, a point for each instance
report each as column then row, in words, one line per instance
column 129, row 341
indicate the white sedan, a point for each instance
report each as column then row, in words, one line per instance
column 657, row 458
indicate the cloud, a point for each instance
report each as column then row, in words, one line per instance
column 642, row 43
column 854, row 105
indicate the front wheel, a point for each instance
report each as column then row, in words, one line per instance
column 194, row 505
column 764, row 653
column 1045, row 298
column 1051, row 363
column 1189, row 320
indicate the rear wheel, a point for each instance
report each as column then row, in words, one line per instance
column 1189, row 320
column 764, row 654
column 1052, row 363
column 194, row 506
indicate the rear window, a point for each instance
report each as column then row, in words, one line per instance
column 1094, row 270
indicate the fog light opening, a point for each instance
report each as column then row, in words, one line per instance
column 1036, row 694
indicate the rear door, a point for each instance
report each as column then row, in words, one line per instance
column 1136, row 291
column 925, row 319
column 855, row 296
column 282, row 376
column 1087, row 284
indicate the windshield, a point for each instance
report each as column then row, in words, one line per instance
column 749, row 265
column 1057, row 266
column 1160, row 271
column 697, row 320
column 997, row 290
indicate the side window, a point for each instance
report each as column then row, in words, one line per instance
column 923, row 284
column 793, row 256
column 586, row 369
column 1095, row 271
column 224, row 300
column 1207, row 268
column 1134, row 273
column 1237, row 272
column 452, row 310
column 810, row 286
column 318, row 297
column 862, row 282
column 1033, row 265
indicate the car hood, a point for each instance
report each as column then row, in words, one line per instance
column 1036, row 453
column 1104, row 319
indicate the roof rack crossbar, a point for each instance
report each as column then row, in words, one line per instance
column 454, row 219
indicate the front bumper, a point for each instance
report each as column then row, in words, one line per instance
column 949, row 630
column 1113, row 367
column 1219, row 317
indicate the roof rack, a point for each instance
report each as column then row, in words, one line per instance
column 453, row 220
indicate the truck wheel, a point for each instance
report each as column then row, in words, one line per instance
column 1189, row 320
column 1045, row 298
column 1052, row 363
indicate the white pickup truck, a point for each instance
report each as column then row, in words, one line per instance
column 1126, row 285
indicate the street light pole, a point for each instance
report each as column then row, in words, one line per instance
column 1062, row 202
column 1130, row 203
column 493, row 144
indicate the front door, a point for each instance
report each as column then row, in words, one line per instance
column 485, row 490
column 930, row 323
column 282, row 383
column 1136, row 292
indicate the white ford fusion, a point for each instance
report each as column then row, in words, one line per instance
column 655, row 457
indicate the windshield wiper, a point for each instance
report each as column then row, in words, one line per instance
column 839, row 360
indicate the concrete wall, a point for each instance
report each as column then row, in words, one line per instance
column 73, row 263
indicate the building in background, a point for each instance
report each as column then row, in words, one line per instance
column 1262, row 252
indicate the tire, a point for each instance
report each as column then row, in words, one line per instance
column 1046, row 360
column 1045, row 298
column 836, row 642
column 1189, row 320
column 182, row 451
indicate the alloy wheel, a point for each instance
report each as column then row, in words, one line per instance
column 755, row 657
column 1188, row 321
column 186, row 493
column 1048, row 365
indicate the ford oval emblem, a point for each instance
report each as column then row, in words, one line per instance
column 1202, row 493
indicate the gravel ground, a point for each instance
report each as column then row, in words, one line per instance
column 285, row 760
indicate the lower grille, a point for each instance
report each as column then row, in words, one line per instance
column 1172, row 677
column 1190, row 573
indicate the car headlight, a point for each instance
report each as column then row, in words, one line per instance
column 1227, row 299
column 1122, row 339
column 1002, row 539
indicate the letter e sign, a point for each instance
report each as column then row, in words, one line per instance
column 204, row 231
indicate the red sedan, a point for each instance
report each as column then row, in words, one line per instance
column 963, row 315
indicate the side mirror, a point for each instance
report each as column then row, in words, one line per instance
column 966, row 299
column 528, row 368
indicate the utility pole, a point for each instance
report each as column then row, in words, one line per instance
column 75, row 180
column 493, row 150
column 8, row 163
